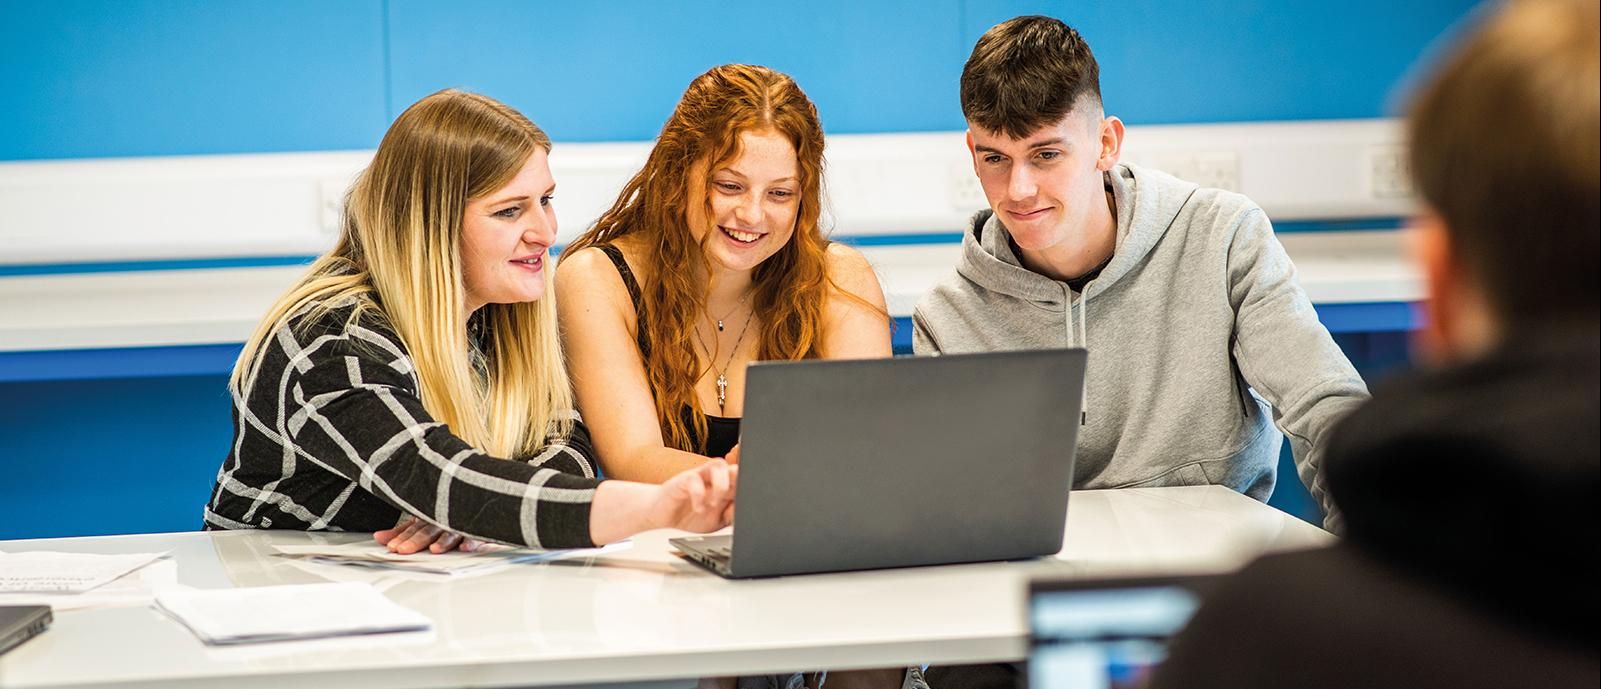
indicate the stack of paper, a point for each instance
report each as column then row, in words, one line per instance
column 51, row 572
column 283, row 613
column 454, row 563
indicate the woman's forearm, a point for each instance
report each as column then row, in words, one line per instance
column 621, row 509
column 652, row 465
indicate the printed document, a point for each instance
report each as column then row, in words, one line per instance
column 454, row 563
column 52, row 572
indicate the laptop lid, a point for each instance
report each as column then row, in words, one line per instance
column 910, row 461
column 1106, row 633
column 18, row 623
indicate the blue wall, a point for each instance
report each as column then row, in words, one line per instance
column 81, row 78
column 162, row 77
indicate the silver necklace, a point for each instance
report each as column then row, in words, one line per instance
column 722, row 373
column 737, row 304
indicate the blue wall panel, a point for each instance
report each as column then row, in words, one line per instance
column 80, row 78
column 81, row 458
column 1242, row 60
column 87, row 78
column 614, row 70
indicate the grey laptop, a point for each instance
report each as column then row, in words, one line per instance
column 18, row 623
column 868, row 464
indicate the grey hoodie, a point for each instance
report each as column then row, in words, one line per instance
column 1198, row 334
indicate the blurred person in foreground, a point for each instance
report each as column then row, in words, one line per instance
column 1470, row 489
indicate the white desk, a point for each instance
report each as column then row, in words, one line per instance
column 638, row 615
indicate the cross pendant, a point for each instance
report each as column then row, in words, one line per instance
column 722, row 391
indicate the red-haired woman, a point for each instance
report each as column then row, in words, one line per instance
column 710, row 259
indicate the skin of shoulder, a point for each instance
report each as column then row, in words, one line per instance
column 851, row 271
column 854, row 329
column 587, row 281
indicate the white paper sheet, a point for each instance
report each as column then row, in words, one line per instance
column 283, row 613
column 136, row 588
column 53, row 572
column 454, row 563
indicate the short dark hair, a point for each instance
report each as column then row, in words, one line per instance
column 1026, row 73
column 1504, row 148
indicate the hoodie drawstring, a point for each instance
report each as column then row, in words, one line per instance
column 1080, row 337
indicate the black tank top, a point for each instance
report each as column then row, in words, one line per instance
column 722, row 432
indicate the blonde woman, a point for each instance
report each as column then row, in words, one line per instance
column 416, row 370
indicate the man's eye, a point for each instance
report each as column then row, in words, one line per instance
column 993, row 159
column 1049, row 155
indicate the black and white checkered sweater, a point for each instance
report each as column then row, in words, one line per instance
column 331, row 434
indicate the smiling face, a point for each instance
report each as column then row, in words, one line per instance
column 1044, row 186
column 754, row 202
column 505, row 237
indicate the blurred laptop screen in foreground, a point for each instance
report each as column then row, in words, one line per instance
column 1105, row 633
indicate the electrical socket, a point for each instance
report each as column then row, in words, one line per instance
column 1389, row 173
column 1216, row 169
column 966, row 193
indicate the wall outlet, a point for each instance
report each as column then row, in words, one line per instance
column 1216, row 169
column 1389, row 173
column 966, row 193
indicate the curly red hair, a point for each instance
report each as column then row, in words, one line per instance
column 658, row 205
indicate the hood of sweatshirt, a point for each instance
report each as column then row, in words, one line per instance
column 1484, row 478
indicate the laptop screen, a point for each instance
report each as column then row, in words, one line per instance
column 1105, row 633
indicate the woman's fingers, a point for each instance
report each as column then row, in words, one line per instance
column 402, row 534
column 720, row 482
column 415, row 538
column 445, row 542
column 697, row 490
column 384, row 536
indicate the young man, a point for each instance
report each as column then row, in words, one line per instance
column 1200, row 339
column 1470, row 492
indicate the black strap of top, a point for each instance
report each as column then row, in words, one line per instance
column 627, row 274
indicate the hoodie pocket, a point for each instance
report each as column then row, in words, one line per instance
column 1183, row 475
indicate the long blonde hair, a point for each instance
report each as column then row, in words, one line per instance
column 398, row 259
